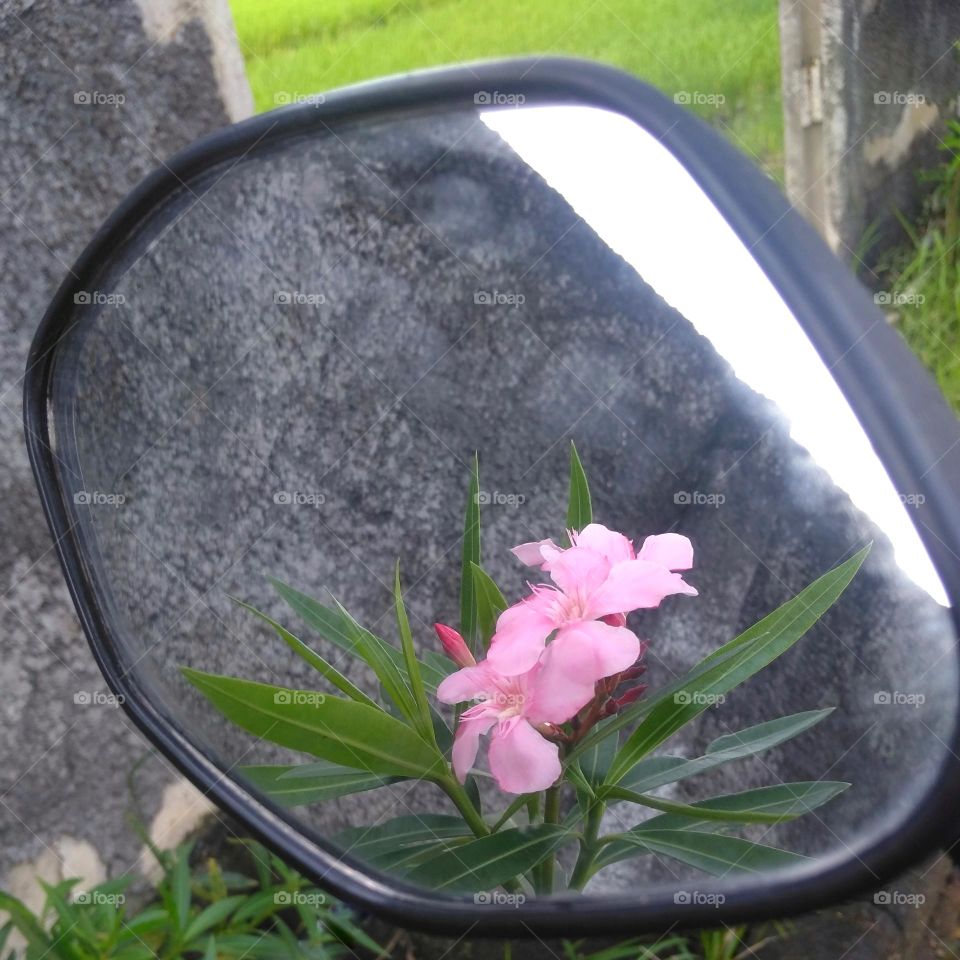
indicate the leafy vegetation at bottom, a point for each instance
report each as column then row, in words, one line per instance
column 266, row 911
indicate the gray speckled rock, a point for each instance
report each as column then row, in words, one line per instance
column 367, row 385
column 90, row 100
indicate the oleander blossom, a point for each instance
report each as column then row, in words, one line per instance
column 515, row 710
column 596, row 581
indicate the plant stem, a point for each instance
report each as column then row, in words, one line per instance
column 551, row 814
column 454, row 790
column 588, row 847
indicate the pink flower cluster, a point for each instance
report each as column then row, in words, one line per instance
column 550, row 649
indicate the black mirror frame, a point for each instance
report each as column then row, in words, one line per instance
column 848, row 331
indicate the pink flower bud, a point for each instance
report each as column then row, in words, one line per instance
column 635, row 693
column 634, row 673
column 454, row 646
column 549, row 730
column 615, row 619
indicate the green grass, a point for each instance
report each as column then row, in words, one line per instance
column 922, row 279
column 297, row 47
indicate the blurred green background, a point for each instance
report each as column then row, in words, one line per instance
column 298, row 47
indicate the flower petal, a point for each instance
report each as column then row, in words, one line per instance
column 587, row 652
column 466, row 684
column 610, row 544
column 579, row 570
column 522, row 630
column 561, row 690
column 521, row 760
column 670, row 550
column 531, row 553
column 466, row 743
column 635, row 585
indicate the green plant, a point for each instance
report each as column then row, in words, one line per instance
column 726, row 943
column 923, row 299
column 267, row 913
column 361, row 742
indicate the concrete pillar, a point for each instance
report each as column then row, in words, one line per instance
column 868, row 88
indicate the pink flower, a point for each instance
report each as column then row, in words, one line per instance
column 454, row 646
column 597, row 580
column 521, row 759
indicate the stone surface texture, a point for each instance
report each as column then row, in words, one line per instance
column 91, row 100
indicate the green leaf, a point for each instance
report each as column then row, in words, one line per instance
column 314, row 659
column 480, row 865
column 774, row 635
column 407, row 833
column 713, row 853
column 469, row 622
column 657, row 771
column 349, row 933
column 212, row 916
column 423, row 720
column 785, row 801
column 579, row 505
column 332, row 626
column 520, row 801
column 26, row 923
column 303, row 783
column 595, row 761
column 332, row 728
column 633, row 714
column 180, row 887
column 148, row 922
column 375, row 652
column 400, row 862
column 490, row 603
column 249, row 946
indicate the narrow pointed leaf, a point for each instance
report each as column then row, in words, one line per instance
column 314, row 659
column 293, row 786
column 423, row 721
column 404, row 859
column 657, row 771
column 332, row 728
column 579, row 505
column 331, row 625
column 713, row 853
column 25, row 922
column 375, row 652
column 212, row 915
column 785, row 801
column 520, row 801
column 490, row 603
column 784, row 627
column 642, row 708
column 409, row 832
column 469, row 622
column 595, row 761
column 482, row 864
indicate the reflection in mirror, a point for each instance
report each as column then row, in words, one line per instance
column 287, row 373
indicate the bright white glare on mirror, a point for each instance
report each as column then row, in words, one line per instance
column 642, row 202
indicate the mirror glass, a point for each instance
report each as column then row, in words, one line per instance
column 286, row 371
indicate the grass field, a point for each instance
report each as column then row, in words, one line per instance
column 298, row 47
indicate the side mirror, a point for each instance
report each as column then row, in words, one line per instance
column 279, row 355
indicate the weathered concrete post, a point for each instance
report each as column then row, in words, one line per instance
column 93, row 95
column 868, row 86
